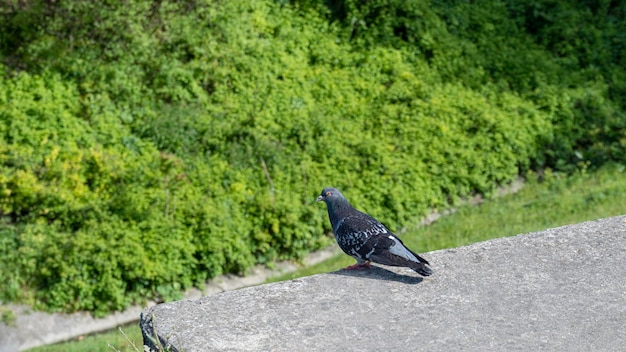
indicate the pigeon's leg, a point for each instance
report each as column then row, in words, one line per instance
column 358, row 266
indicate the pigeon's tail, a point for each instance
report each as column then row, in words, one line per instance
column 422, row 269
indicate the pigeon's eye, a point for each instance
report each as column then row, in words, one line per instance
column 328, row 194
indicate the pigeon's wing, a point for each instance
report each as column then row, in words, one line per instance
column 354, row 233
column 364, row 238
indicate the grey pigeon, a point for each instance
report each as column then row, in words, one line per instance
column 365, row 238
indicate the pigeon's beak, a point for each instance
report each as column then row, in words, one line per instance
column 320, row 198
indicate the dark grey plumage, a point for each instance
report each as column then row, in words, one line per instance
column 365, row 238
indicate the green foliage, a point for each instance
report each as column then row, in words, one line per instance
column 565, row 57
column 148, row 146
column 7, row 317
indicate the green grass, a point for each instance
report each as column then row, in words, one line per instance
column 556, row 201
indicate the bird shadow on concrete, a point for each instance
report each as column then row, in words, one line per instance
column 378, row 273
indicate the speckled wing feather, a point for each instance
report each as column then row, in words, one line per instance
column 354, row 231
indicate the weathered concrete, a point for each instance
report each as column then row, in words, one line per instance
column 562, row 289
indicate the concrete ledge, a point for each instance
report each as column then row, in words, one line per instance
column 562, row 289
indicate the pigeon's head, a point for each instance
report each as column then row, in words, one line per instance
column 329, row 195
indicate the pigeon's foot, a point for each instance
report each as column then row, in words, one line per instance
column 358, row 266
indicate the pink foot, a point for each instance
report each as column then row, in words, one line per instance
column 358, row 266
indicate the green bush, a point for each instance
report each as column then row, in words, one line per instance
column 146, row 147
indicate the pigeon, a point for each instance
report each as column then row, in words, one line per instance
column 366, row 239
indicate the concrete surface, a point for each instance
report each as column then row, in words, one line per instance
column 33, row 329
column 562, row 289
